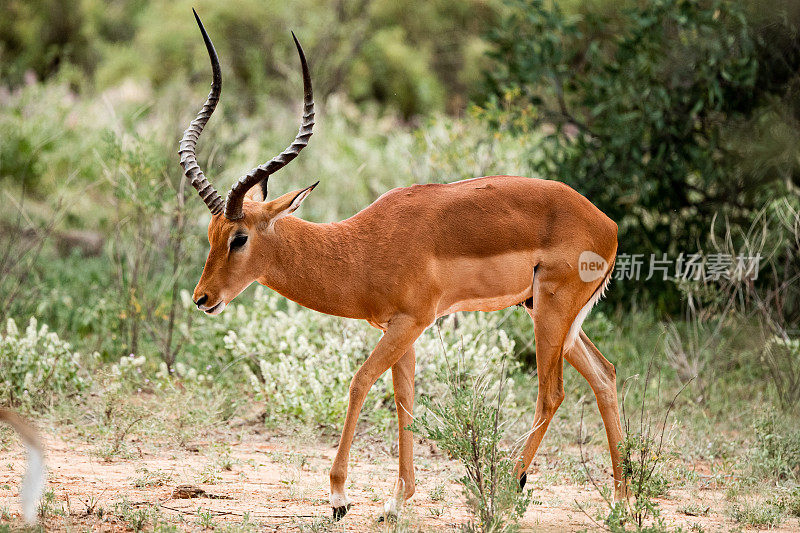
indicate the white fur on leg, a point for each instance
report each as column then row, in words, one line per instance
column 575, row 328
column 392, row 508
column 32, row 484
column 339, row 500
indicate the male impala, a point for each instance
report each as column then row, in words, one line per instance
column 416, row 254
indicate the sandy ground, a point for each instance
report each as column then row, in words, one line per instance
column 281, row 484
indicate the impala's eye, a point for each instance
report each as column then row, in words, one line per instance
column 238, row 241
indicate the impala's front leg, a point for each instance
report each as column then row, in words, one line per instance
column 400, row 335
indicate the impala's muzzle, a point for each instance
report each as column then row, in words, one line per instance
column 215, row 309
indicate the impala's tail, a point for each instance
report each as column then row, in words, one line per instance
column 33, row 483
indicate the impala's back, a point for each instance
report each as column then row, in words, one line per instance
column 476, row 242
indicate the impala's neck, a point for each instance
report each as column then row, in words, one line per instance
column 314, row 265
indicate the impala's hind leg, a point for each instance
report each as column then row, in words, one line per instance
column 550, row 334
column 403, row 382
column 602, row 377
column 560, row 302
column 557, row 299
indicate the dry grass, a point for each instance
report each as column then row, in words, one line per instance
column 279, row 482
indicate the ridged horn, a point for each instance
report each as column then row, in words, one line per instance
column 188, row 143
column 260, row 174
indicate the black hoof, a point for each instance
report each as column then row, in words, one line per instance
column 339, row 512
column 522, row 479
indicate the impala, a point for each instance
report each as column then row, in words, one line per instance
column 33, row 483
column 414, row 255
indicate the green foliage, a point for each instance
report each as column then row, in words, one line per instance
column 141, row 518
column 75, row 299
column 39, row 367
column 644, row 104
column 42, row 138
column 152, row 243
column 466, row 423
column 413, row 60
column 762, row 515
column 305, row 361
column 643, row 465
column 41, row 35
column 400, row 74
column 791, row 502
column 644, row 456
column 776, row 451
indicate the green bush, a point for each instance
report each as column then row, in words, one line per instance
column 466, row 422
column 776, row 451
column 39, row 367
column 652, row 111
column 44, row 143
column 791, row 502
column 400, row 74
column 414, row 61
column 40, row 36
column 761, row 515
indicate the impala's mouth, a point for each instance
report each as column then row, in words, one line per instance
column 217, row 309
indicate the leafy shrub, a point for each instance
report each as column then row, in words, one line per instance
column 375, row 51
column 38, row 366
column 152, row 245
column 644, row 454
column 791, row 502
column 465, row 421
column 43, row 142
column 400, row 74
column 776, row 451
column 309, row 372
column 757, row 514
column 643, row 471
column 40, row 36
column 643, row 466
column 651, row 109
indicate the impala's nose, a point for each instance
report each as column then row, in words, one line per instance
column 200, row 301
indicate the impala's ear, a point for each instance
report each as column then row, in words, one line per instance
column 255, row 194
column 258, row 193
column 288, row 203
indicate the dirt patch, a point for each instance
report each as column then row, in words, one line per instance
column 258, row 482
